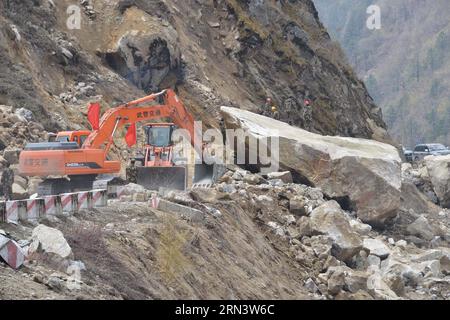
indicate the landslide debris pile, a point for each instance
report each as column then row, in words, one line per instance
column 339, row 222
column 253, row 235
column 258, row 236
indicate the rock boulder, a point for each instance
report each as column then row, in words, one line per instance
column 285, row 176
column 438, row 170
column 422, row 229
column 330, row 220
column 19, row 193
column 50, row 241
column 11, row 155
column 366, row 172
column 377, row 248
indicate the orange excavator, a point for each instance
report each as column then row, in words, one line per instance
column 78, row 160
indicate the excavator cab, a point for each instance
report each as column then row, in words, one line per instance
column 72, row 136
column 159, row 135
column 157, row 167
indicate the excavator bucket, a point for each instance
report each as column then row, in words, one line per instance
column 206, row 175
column 153, row 178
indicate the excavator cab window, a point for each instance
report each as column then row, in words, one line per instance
column 62, row 139
column 159, row 136
column 52, row 137
column 82, row 139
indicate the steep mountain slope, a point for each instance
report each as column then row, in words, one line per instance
column 252, row 235
column 405, row 65
column 216, row 53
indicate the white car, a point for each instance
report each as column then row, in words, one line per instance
column 432, row 149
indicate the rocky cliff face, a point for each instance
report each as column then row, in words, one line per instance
column 221, row 52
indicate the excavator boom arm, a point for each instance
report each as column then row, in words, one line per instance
column 137, row 111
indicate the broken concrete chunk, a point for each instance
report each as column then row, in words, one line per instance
column 11, row 155
column 183, row 211
column 11, row 252
column 253, row 179
column 213, row 24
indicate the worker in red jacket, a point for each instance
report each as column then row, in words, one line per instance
column 307, row 115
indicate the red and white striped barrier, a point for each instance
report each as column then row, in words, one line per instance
column 69, row 203
column 84, row 200
column 11, row 252
column 99, row 198
column 154, row 202
column 12, row 212
column 52, row 205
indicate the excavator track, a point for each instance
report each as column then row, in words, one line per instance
column 66, row 185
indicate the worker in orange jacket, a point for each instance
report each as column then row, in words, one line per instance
column 271, row 110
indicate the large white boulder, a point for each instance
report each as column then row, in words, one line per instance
column 366, row 172
column 51, row 241
column 438, row 170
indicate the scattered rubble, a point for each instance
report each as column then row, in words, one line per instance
column 377, row 248
column 89, row 9
column 421, row 228
column 338, row 256
column 17, row 127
